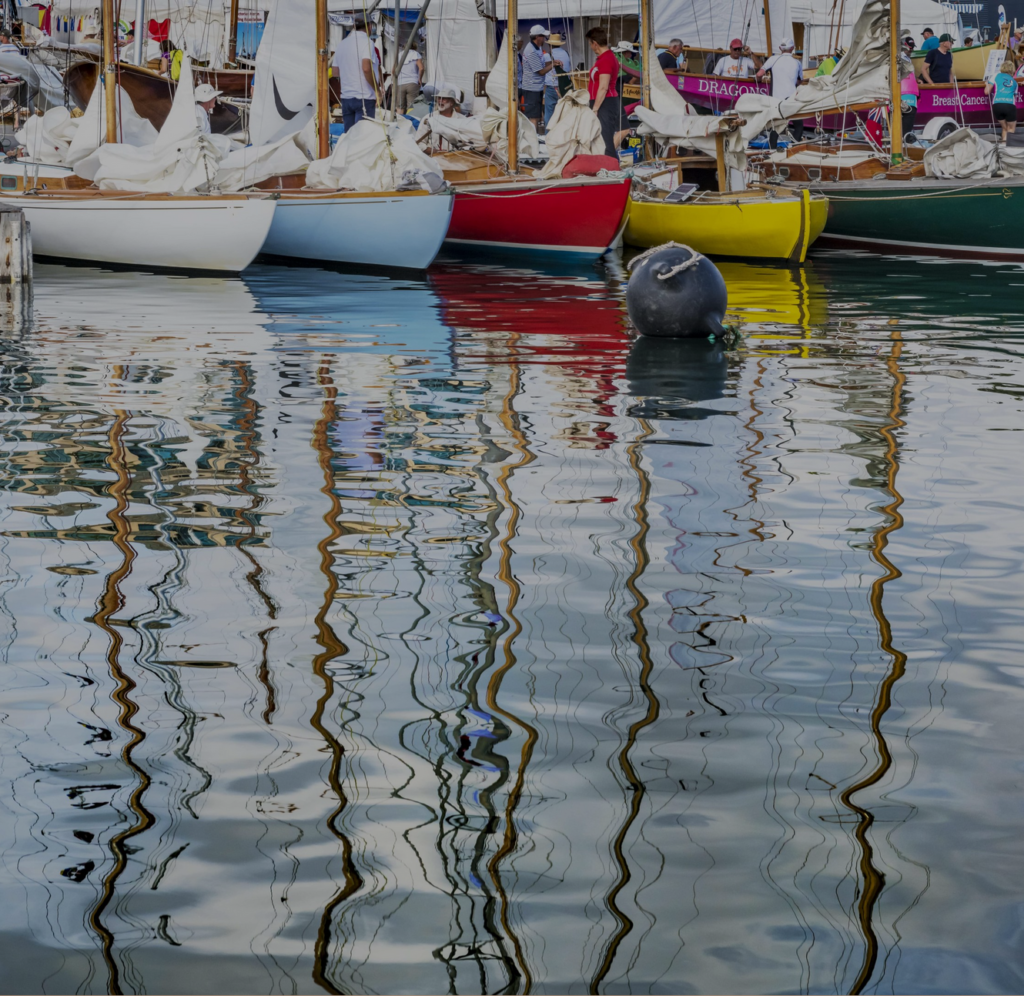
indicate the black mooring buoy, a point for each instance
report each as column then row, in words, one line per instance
column 675, row 292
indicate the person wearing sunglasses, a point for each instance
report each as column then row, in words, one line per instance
column 739, row 63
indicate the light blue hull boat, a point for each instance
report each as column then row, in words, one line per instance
column 400, row 229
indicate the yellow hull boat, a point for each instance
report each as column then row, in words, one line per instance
column 747, row 224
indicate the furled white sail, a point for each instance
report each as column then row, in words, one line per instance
column 181, row 160
column 458, row 131
column 573, row 130
column 46, row 138
column 377, row 155
column 494, row 121
column 284, row 92
column 92, row 126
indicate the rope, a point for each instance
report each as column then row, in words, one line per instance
column 695, row 258
column 922, row 196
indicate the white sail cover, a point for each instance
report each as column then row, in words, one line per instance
column 573, row 130
column 824, row 21
column 376, row 155
column 714, row 23
column 46, row 138
column 284, row 91
column 181, row 160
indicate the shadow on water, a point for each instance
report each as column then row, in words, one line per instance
column 671, row 377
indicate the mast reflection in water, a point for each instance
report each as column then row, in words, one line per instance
column 365, row 634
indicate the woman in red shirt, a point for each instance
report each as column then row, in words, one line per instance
column 604, row 97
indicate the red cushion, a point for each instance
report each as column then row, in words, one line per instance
column 588, row 165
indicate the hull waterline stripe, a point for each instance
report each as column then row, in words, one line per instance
column 923, row 248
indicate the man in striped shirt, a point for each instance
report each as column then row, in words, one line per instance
column 536, row 64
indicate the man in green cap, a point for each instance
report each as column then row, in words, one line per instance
column 938, row 63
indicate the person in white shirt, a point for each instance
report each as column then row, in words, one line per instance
column 358, row 70
column 206, row 100
column 410, row 79
column 6, row 45
column 786, row 73
column 739, row 63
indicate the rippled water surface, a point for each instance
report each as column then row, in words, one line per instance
column 374, row 635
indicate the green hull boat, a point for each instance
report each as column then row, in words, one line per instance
column 968, row 219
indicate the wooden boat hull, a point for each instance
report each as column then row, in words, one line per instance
column 395, row 230
column 747, row 225
column 580, row 217
column 150, row 93
column 961, row 219
column 220, row 233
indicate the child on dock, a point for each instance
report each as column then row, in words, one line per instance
column 1004, row 89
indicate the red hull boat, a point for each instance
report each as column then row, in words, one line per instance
column 579, row 217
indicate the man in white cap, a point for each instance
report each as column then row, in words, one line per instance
column 786, row 73
column 206, row 100
column 536, row 65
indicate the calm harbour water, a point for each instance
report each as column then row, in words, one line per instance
column 372, row 635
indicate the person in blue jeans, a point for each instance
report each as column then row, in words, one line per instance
column 560, row 66
column 1004, row 92
column 357, row 67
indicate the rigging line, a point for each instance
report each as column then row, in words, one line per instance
column 110, row 602
column 510, row 420
column 332, row 648
column 641, row 560
column 873, row 879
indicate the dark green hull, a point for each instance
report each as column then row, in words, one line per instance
column 966, row 219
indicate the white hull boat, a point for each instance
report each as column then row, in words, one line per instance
column 187, row 232
column 402, row 230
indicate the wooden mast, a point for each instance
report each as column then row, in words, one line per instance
column 109, row 75
column 646, row 52
column 896, row 118
column 233, row 33
column 323, row 94
column 397, row 59
column 646, row 46
column 512, row 34
column 767, row 30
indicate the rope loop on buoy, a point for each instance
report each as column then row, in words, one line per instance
column 695, row 258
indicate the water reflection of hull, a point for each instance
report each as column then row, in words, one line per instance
column 669, row 376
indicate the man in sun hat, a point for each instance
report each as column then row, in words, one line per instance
column 206, row 100
column 537, row 64
column 558, row 79
column 739, row 63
